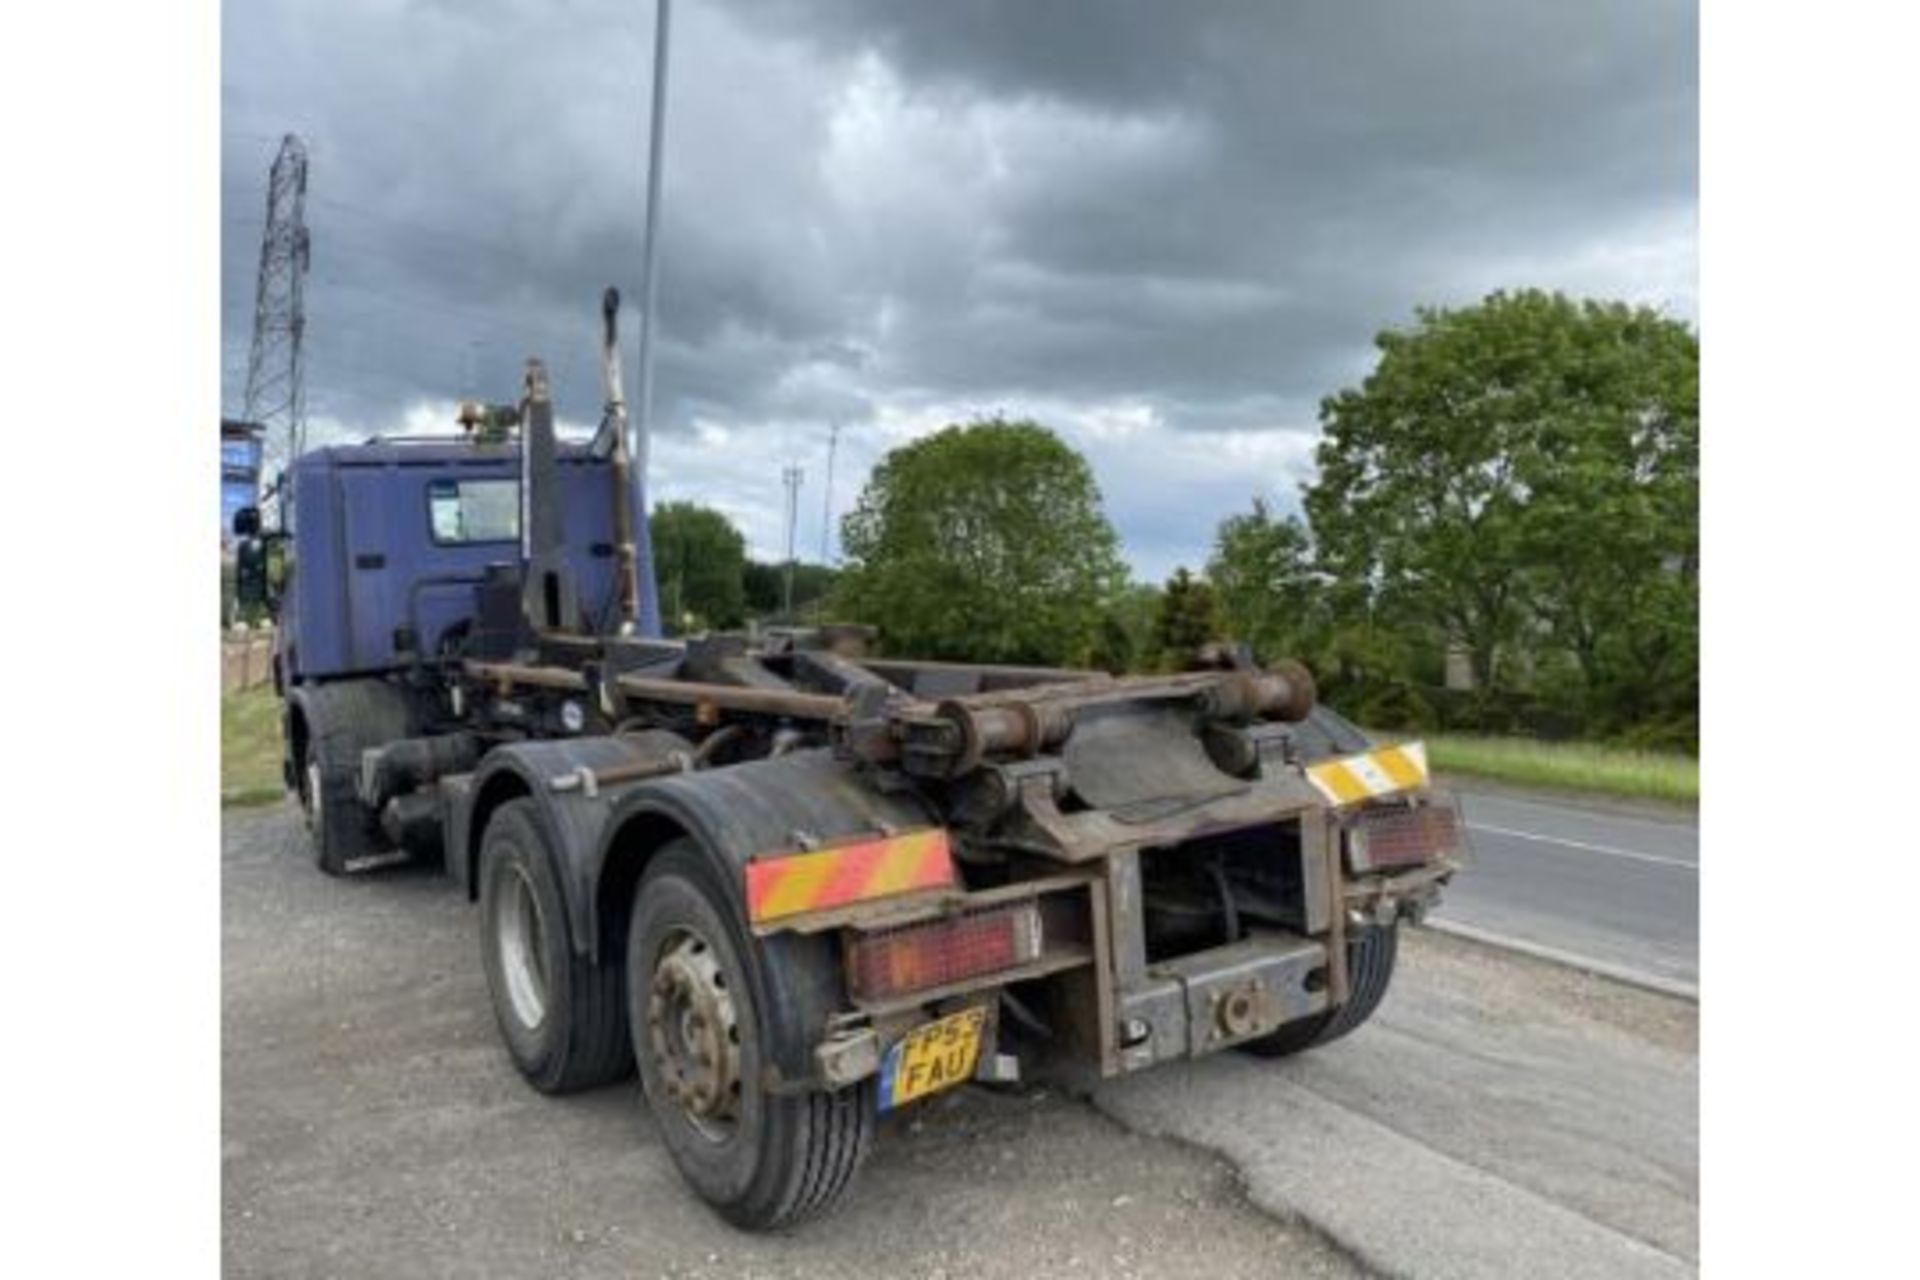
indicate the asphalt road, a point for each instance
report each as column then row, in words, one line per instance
column 1498, row 1117
column 1614, row 884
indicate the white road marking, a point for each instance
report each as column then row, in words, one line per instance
column 1608, row 850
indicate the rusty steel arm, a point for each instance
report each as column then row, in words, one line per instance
column 726, row 697
column 993, row 676
column 955, row 736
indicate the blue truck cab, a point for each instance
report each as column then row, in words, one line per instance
column 393, row 542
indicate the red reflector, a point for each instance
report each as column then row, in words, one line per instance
column 918, row 957
column 1384, row 838
column 795, row 883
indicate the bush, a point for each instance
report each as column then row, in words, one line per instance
column 1673, row 734
column 1398, row 707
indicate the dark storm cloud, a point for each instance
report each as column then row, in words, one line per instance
column 879, row 211
column 1295, row 174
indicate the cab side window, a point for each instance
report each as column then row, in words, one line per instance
column 462, row 511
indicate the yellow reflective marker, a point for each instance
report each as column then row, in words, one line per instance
column 1380, row 772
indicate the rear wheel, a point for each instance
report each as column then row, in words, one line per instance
column 564, row 1017
column 703, row 1042
column 1370, row 958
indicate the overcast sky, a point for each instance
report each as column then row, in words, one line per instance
column 1166, row 230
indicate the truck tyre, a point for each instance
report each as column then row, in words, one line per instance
column 564, row 1017
column 343, row 720
column 698, row 992
column 1370, row 959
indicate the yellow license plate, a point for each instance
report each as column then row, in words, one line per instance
column 931, row 1058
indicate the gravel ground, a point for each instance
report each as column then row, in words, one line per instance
column 373, row 1126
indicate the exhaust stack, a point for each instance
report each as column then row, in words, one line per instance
column 611, row 442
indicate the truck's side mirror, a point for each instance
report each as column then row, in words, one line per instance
column 246, row 522
column 250, row 574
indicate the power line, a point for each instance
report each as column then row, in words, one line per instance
column 445, row 239
column 463, row 239
column 509, row 320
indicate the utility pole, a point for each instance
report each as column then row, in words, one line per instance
column 826, row 502
column 791, row 477
column 639, row 445
column 276, row 396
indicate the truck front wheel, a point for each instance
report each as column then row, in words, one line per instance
column 339, row 828
column 1370, row 957
column 564, row 1017
column 763, row 1159
column 340, row 721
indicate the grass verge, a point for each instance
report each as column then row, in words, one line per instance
column 1573, row 766
column 250, row 747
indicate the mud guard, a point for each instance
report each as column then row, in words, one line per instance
column 571, row 814
column 732, row 814
column 1326, row 733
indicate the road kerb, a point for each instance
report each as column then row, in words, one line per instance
column 1553, row 955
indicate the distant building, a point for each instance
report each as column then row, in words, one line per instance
column 240, row 452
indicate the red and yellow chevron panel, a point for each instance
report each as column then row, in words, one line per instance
column 1379, row 772
column 790, row 884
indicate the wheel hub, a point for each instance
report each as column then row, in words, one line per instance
column 521, row 932
column 313, row 797
column 694, row 1034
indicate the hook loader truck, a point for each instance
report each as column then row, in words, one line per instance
column 794, row 883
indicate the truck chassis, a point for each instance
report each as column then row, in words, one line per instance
column 798, row 886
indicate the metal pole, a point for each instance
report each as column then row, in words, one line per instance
column 826, row 503
column 639, row 445
column 791, row 477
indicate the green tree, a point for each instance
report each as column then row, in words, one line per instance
column 700, row 561
column 1263, row 576
column 1522, row 475
column 767, row 589
column 1611, row 540
column 983, row 542
column 1187, row 619
column 1124, row 641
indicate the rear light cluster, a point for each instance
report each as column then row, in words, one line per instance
column 1384, row 838
column 919, row 957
